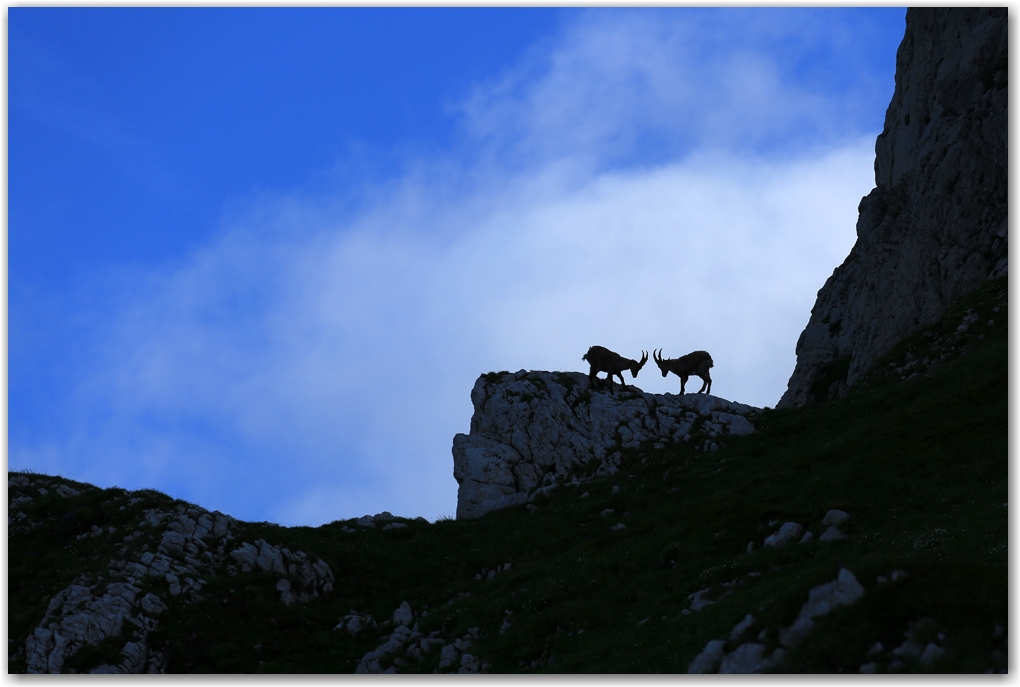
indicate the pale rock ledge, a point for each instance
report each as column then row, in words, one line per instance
column 533, row 430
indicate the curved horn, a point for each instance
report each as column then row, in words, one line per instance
column 656, row 357
column 644, row 358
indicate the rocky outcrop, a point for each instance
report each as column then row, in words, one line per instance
column 302, row 577
column 170, row 549
column 752, row 656
column 532, row 430
column 406, row 644
column 934, row 228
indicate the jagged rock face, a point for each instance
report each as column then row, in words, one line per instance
column 188, row 545
column 533, row 429
column 934, row 228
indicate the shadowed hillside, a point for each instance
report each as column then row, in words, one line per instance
column 678, row 558
column 862, row 528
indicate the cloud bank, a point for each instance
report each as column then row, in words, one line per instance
column 625, row 185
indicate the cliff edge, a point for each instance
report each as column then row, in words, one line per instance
column 533, row 430
column 935, row 226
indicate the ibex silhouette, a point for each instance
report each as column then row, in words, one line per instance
column 696, row 363
column 604, row 360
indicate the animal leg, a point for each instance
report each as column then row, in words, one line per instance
column 683, row 383
column 706, row 383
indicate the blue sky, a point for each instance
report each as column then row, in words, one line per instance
column 258, row 257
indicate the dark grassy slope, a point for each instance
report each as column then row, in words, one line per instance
column 920, row 464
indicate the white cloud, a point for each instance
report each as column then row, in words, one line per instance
column 313, row 363
column 680, row 80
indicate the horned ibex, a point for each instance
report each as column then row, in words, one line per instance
column 696, row 363
column 604, row 360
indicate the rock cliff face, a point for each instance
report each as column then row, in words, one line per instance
column 533, row 430
column 934, row 227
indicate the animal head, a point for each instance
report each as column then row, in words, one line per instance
column 661, row 362
column 635, row 368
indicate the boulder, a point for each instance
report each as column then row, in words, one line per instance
column 835, row 517
column 403, row 615
column 832, row 534
column 709, row 657
column 746, row 658
column 790, row 531
column 845, row 589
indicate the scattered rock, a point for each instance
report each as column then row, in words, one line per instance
column 67, row 491
column 741, row 627
column 845, row 589
column 746, row 658
column 832, row 534
column 355, row 623
column 699, row 599
column 788, row 532
column 932, row 652
column 403, row 615
column 314, row 576
column 710, row 656
column 835, row 517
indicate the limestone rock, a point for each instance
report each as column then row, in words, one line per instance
column 76, row 618
column 932, row 652
column 246, row 555
column 934, row 228
column 530, row 430
column 355, row 623
column 845, row 589
column 708, row 658
column 747, row 658
column 832, row 534
column 190, row 545
column 403, row 615
column 835, row 517
column 741, row 627
column 790, row 531
column 699, row 599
